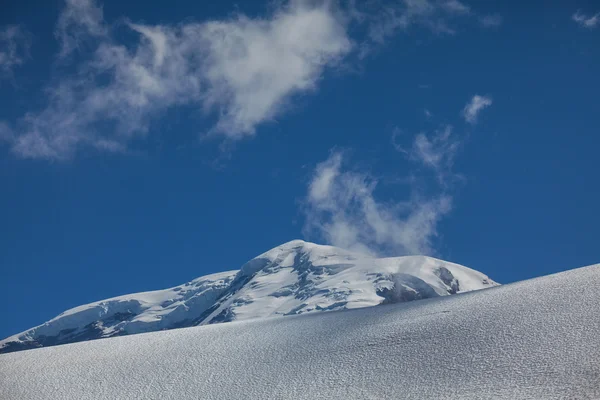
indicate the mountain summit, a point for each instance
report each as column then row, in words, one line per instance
column 295, row 278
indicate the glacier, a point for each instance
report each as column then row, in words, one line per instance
column 297, row 277
column 535, row 339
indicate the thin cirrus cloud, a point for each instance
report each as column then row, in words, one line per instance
column 14, row 48
column 435, row 151
column 586, row 21
column 391, row 17
column 242, row 69
column 455, row 6
column 474, row 107
column 491, row 21
column 6, row 134
column 79, row 21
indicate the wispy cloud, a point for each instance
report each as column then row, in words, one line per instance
column 491, row 21
column 342, row 208
column 14, row 48
column 435, row 151
column 6, row 134
column 586, row 21
column 79, row 22
column 456, row 7
column 475, row 106
column 391, row 17
column 241, row 69
column 240, row 72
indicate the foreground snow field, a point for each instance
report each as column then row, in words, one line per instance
column 537, row 339
column 295, row 278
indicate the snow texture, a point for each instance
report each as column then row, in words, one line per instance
column 295, row 278
column 536, row 339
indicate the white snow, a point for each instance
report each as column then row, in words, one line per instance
column 295, row 278
column 154, row 310
column 537, row 339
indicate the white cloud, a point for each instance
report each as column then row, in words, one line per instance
column 475, row 106
column 392, row 16
column 491, row 21
column 6, row 134
column 342, row 208
column 435, row 151
column 321, row 185
column 456, row 7
column 14, row 48
column 396, row 133
column 243, row 70
column 78, row 22
column 585, row 21
column 253, row 66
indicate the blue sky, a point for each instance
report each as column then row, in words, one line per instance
column 142, row 146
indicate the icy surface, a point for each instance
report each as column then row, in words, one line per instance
column 295, row 278
column 536, row 339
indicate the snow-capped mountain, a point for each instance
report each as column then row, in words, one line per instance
column 536, row 339
column 295, row 278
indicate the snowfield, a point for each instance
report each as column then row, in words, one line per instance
column 536, row 339
column 295, row 278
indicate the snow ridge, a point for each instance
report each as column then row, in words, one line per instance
column 295, row 278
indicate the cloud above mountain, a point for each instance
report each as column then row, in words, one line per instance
column 342, row 208
column 240, row 72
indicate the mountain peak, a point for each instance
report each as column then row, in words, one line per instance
column 296, row 277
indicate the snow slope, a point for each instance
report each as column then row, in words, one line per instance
column 295, row 278
column 536, row 339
